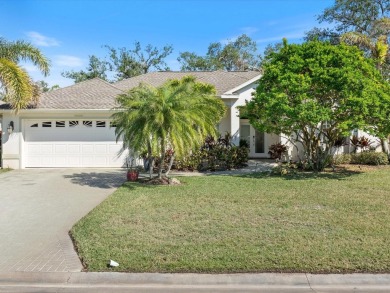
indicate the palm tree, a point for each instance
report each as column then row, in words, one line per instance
column 375, row 43
column 177, row 115
column 18, row 86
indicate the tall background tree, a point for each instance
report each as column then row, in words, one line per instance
column 132, row 62
column 364, row 23
column 178, row 116
column 19, row 89
column 317, row 93
column 240, row 54
column 44, row 87
column 123, row 63
column 96, row 68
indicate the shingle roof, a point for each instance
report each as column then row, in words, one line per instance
column 91, row 94
column 222, row 80
column 99, row 94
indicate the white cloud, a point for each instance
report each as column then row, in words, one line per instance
column 30, row 68
column 41, row 40
column 68, row 61
column 249, row 30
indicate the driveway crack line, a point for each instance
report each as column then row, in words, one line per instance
column 67, row 281
column 308, row 282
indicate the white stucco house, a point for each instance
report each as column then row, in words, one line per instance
column 70, row 127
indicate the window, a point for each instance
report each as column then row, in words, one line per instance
column 87, row 123
column 100, row 123
column 112, row 124
column 245, row 134
column 34, row 125
column 73, row 123
column 46, row 124
column 60, row 123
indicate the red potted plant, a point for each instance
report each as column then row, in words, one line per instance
column 132, row 174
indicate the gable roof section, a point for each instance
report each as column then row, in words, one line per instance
column 224, row 81
column 90, row 94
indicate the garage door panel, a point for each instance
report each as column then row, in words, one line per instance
column 74, row 148
column 74, row 161
column 60, row 161
column 101, row 161
column 33, row 149
column 101, row 149
column 46, row 149
column 67, row 146
column 87, row 149
column 60, row 149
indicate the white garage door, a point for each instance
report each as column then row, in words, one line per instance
column 71, row 143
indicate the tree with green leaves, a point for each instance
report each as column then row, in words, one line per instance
column 317, row 93
column 350, row 16
column 124, row 63
column 178, row 116
column 96, row 68
column 19, row 89
column 240, row 54
column 363, row 23
column 132, row 62
column 44, row 87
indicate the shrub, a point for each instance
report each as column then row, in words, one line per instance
column 215, row 154
column 341, row 159
column 370, row 158
column 361, row 142
column 363, row 158
column 277, row 150
column 285, row 169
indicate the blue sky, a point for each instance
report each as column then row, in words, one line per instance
column 67, row 32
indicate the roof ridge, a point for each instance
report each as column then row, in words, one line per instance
column 234, row 73
column 108, row 83
column 72, row 85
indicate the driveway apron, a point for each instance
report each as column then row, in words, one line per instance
column 37, row 209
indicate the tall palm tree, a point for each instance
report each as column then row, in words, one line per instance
column 18, row 86
column 177, row 115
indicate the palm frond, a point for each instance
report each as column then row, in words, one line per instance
column 21, row 50
column 18, row 85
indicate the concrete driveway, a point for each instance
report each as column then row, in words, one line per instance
column 37, row 209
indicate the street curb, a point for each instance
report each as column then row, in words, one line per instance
column 246, row 280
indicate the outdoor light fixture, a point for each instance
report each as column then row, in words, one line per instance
column 10, row 127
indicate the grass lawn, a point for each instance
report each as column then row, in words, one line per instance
column 330, row 222
column 4, row 170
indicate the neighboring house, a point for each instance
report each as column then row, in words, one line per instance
column 70, row 127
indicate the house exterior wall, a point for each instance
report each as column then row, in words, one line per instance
column 233, row 101
column 11, row 142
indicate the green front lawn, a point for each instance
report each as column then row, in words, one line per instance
column 305, row 223
column 4, row 170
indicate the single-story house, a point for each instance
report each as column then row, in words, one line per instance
column 70, row 127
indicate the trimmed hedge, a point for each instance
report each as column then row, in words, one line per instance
column 363, row 158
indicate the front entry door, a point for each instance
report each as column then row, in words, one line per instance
column 257, row 143
column 255, row 140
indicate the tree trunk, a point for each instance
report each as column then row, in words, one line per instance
column 151, row 165
column 170, row 164
column 162, row 158
column 151, row 160
column 385, row 146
